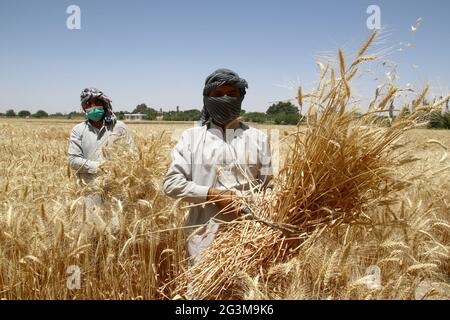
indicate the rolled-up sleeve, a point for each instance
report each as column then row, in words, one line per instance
column 178, row 181
column 76, row 158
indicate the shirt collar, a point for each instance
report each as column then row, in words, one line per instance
column 94, row 127
column 232, row 125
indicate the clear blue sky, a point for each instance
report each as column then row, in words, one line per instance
column 159, row 52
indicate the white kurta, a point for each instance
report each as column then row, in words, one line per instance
column 207, row 157
column 86, row 151
column 87, row 143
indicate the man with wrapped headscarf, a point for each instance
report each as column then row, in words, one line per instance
column 89, row 142
column 218, row 160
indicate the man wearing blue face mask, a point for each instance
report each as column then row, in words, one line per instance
column 221, row 158
column 90, row 139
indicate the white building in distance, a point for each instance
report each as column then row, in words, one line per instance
column 134, row 116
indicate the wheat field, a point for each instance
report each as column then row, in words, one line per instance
column 42, row 219
column 358, row 210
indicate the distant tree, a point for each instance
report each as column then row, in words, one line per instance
column 169, row 116
column 141, row 108
column 286, row 118
column 75, row 115
column 282, row 107
column 439, row 120
column 187, row 115
column 40, row 114
column 10, row 113
column 24, row 113
column 258, row 117
column 121, row 114
column 150, row 116
column 153, row 113
column 192, row 115
column 150, row 113
column 57, row 115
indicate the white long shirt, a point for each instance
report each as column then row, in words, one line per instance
column 208, row 157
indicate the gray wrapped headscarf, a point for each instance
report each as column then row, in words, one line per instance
column 222, row 107
column 90, row 93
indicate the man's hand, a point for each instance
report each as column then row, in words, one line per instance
column 103, row 167
column 223, row 199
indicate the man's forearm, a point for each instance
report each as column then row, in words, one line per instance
column 179, row 187
column 83, row 165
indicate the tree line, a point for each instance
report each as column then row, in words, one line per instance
column 278, row 113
